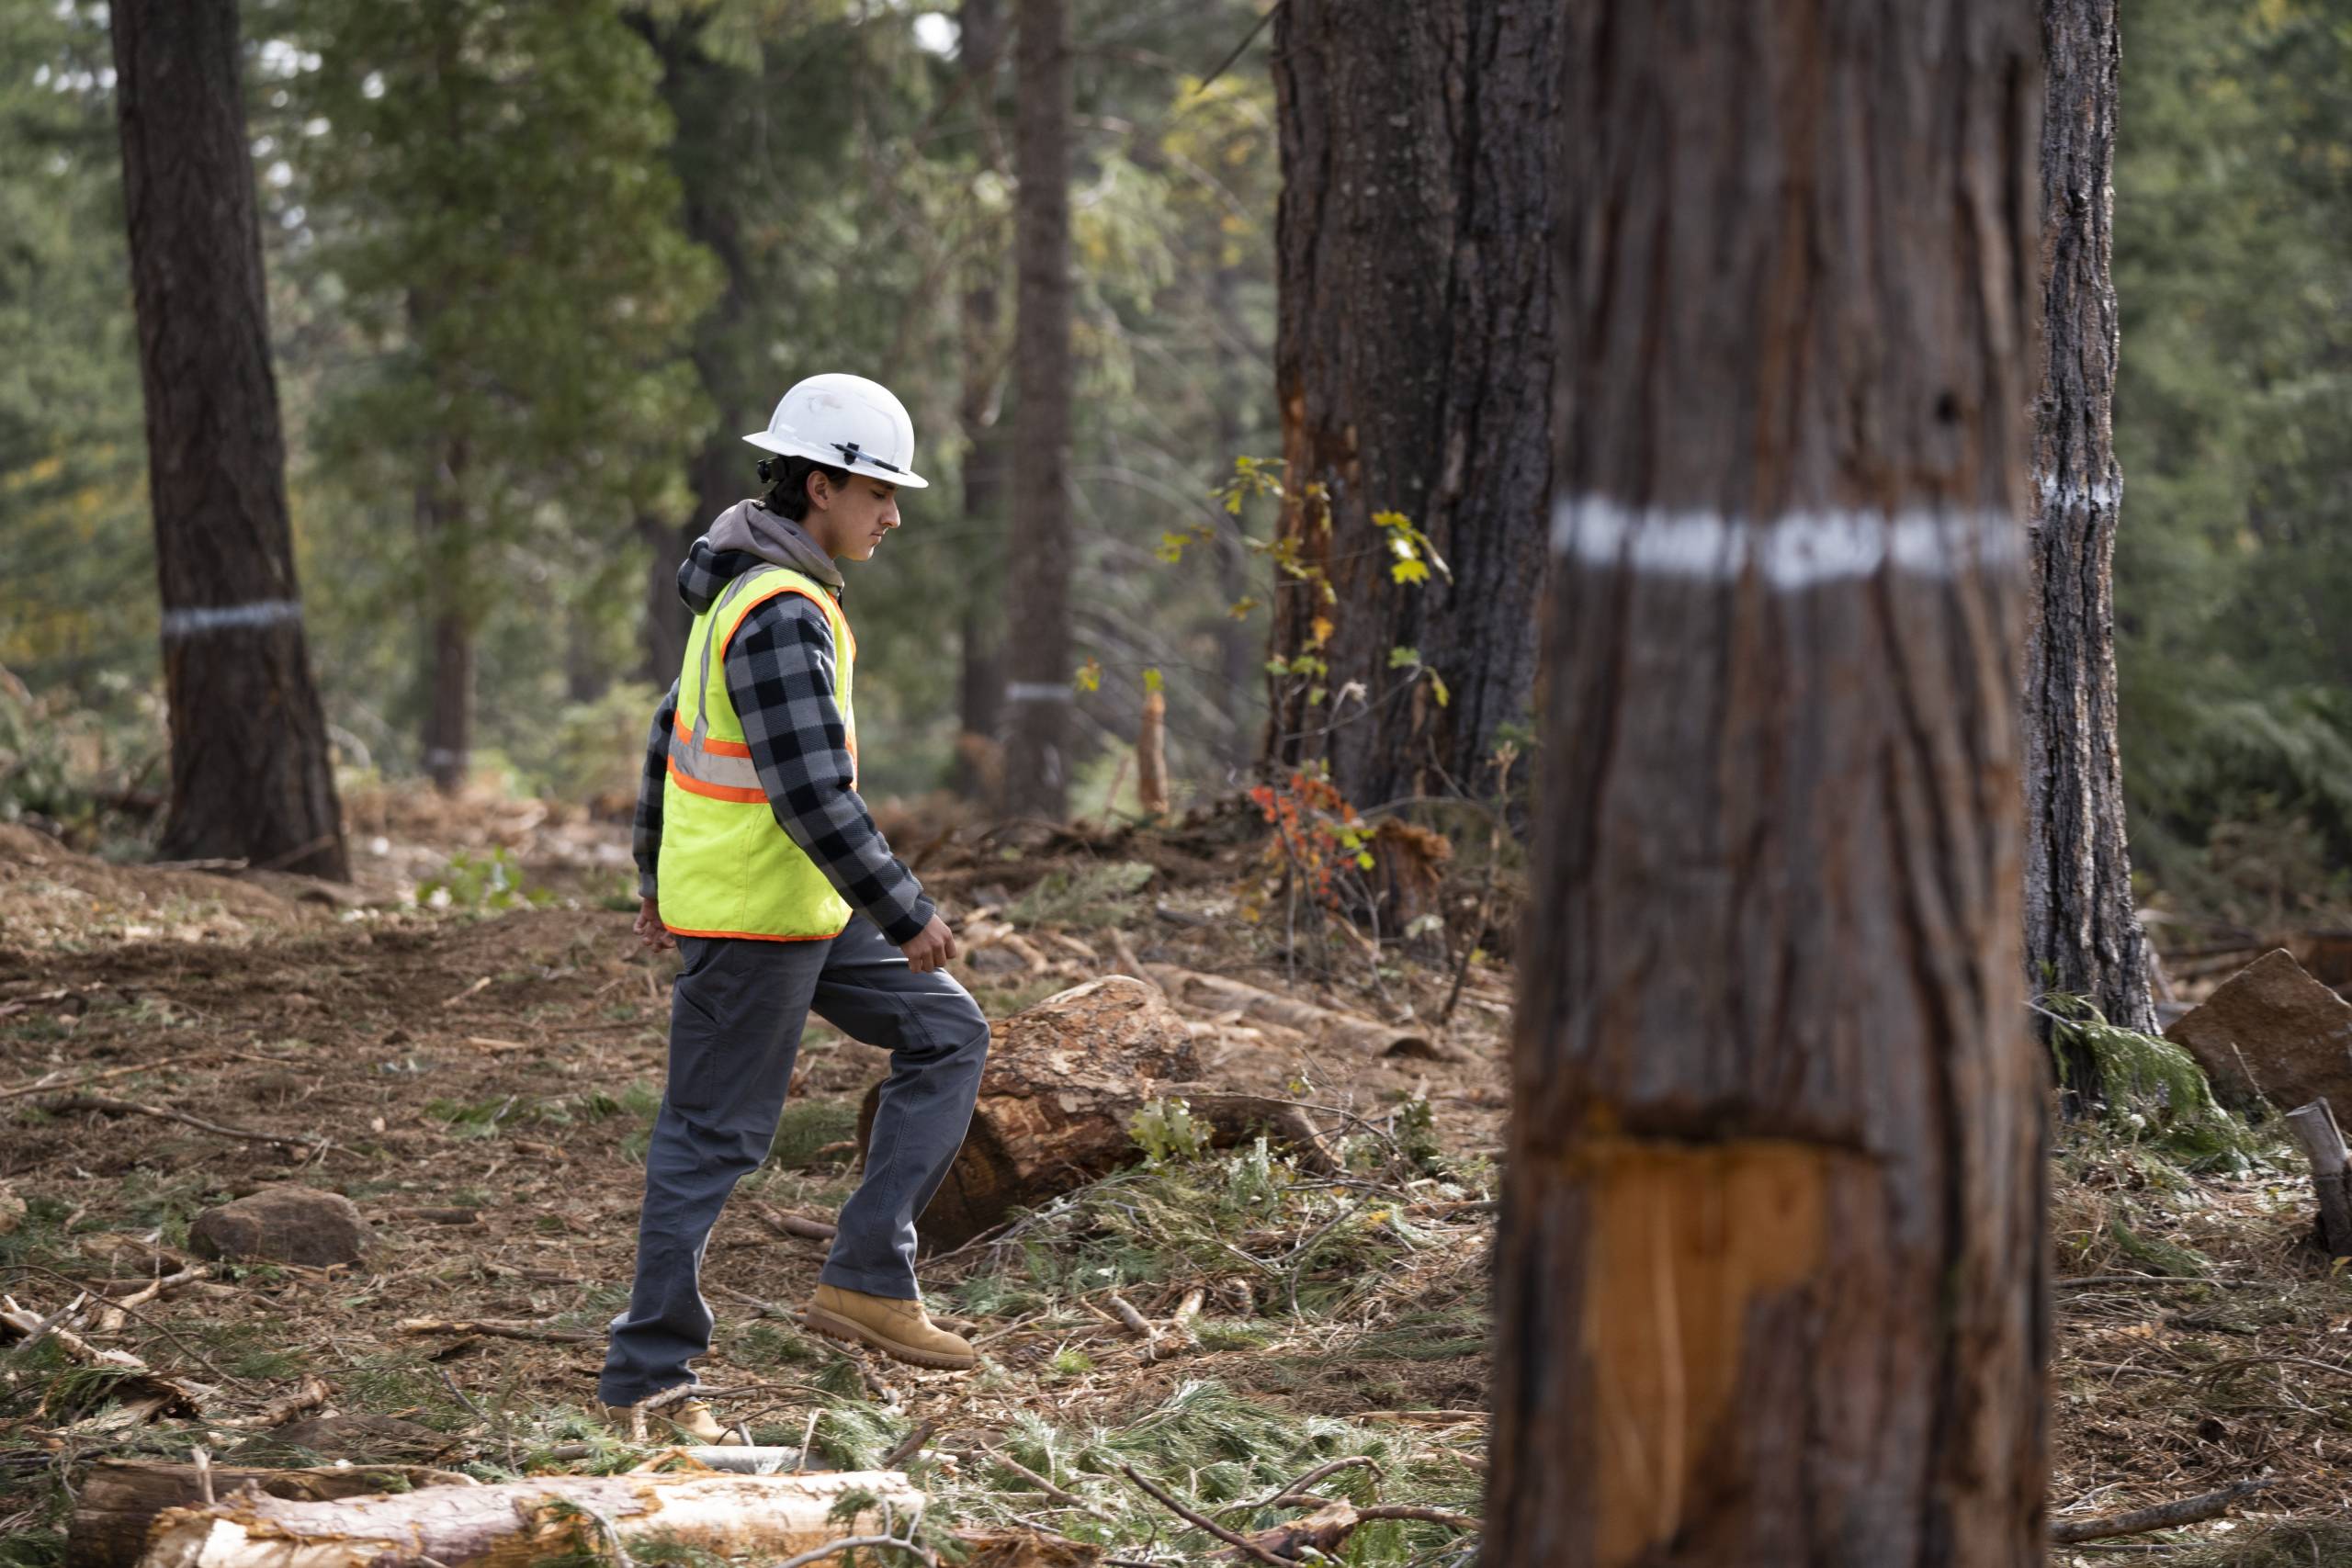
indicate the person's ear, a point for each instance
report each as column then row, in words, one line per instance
column 821, row 491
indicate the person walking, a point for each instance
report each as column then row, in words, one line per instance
column 759, row 861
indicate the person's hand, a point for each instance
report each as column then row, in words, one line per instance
column 933, row 946
column 649, row 929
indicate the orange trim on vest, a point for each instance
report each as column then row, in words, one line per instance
column 767, row 591
column 755, row 936
column 718, row 748
column 716, row 792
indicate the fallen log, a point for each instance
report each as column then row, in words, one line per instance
column 119, row 1498
column 1063, row 1083
column 1063, row 1079
column 1214, row 993
column 765, row 1517
column 2161, row 1516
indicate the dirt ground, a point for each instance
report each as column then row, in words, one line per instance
column 480, row 1081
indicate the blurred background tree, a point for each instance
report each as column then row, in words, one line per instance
column 2234, row 424
column 627, row 227
column 535, row 268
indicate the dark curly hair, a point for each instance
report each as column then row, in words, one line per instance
column 787, row 494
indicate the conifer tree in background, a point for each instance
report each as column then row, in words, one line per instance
column 979, row 697
column 1771, row 1272
column 2081, row 931
column 1413, row 371
column 251, row 778
column 496, row 209
column 1036, row 762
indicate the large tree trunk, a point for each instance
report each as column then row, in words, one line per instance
column 1772, row 1280
column 2082, row 935
column 251, row 777
column 1036, row 762
column 1413, row 367
column 981, row 686
column 444, row 549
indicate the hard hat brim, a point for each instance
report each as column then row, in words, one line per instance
column 784, row 446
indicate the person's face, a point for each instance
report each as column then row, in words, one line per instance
column 849, row 518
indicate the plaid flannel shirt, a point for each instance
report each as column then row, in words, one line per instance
column 779, row 672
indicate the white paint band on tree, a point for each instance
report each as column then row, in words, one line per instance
column 1796, row 551
column 198, row 621
column 1037, row 692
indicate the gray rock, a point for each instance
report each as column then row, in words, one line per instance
column 283, row 1224
column 2271, row 1032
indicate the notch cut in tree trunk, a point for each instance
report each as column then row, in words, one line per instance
column 2323, row 1143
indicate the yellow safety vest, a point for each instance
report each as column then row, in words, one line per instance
column 727, row 867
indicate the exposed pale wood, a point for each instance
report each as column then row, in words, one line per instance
column 119, row 1498
column 1151, row 757
column 2314, row 1128
column 497, row 1328
column 515, row 1523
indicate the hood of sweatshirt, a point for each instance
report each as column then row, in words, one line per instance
column 745, row 535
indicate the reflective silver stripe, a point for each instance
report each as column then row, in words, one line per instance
column 712, row 767
column 702, row 690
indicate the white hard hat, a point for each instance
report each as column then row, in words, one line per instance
column 845, row 422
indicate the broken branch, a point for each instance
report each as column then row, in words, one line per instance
column 2162, row 1516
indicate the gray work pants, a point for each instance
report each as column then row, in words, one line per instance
column 736, row 1013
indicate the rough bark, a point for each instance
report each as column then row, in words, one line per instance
column 2082, row 933
column 979, row 705
column 1771, row 1284
column 251, row 776
column 119, row 1498
column 526, row 1522
column 1036, row 762
column 1413, row 367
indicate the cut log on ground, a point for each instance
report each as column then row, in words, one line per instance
column 1064, row 1081
column 764, row 1516
column 1214, row 993
column 119, row 1498
column 2314, row 1128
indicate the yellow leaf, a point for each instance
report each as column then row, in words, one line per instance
column 1323, row 629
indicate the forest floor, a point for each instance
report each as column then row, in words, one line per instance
column 480, row 1081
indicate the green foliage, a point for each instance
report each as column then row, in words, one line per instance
column 2234, row 272
column 2155, row 1091
column 808, row 1125
column 475, row 882
column 1164, row 1130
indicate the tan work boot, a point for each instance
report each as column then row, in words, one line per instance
column 898, row 1328
column 688, row 1420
